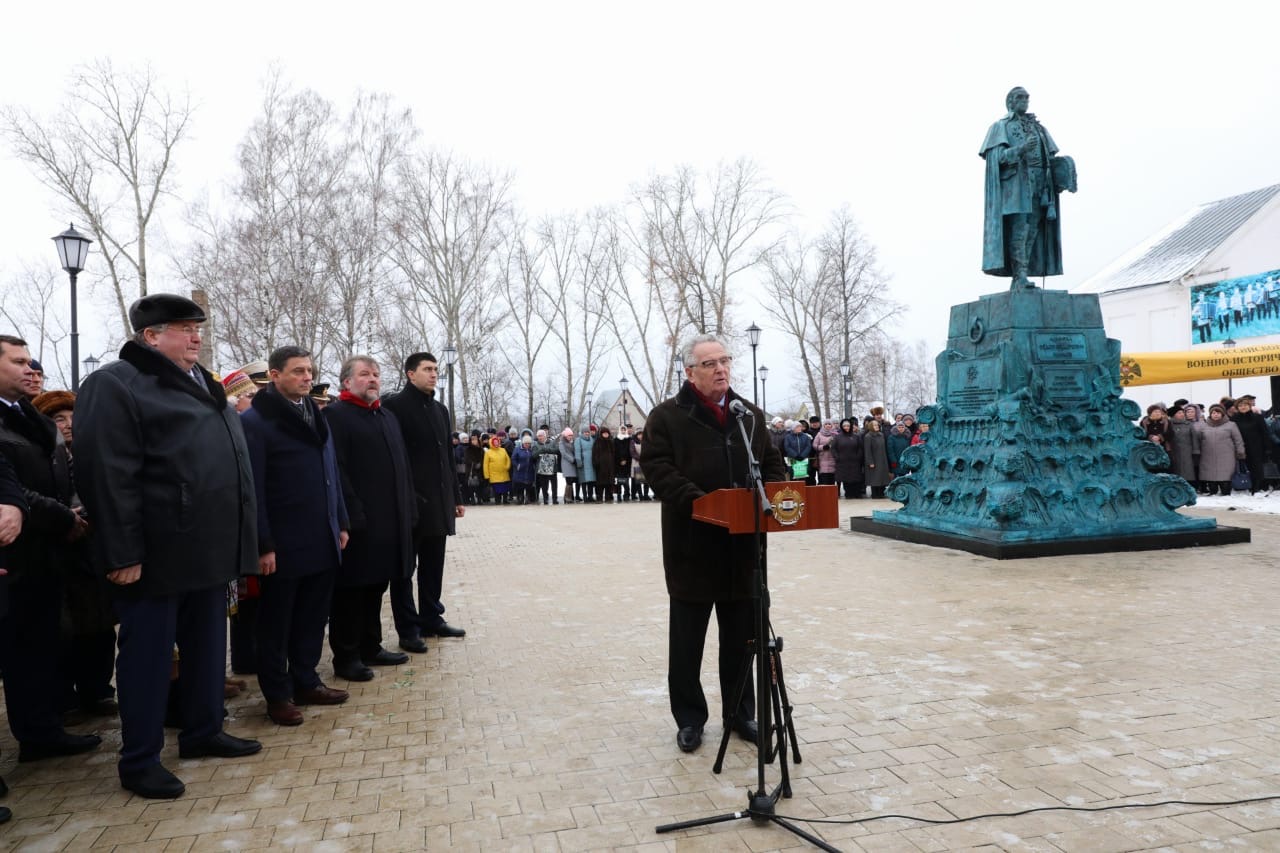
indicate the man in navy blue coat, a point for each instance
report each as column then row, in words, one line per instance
column 302, row 529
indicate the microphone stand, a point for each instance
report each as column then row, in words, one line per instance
column 773, row 708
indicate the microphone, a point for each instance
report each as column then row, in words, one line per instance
column 740, row 409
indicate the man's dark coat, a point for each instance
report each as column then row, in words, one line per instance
column 28, row 440
column 425, row 425
column 378, row 494
column 687, row 454
column 299, row 490
column 164, row 473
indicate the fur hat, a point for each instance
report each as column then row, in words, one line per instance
column 156, row 308
column 51, row 402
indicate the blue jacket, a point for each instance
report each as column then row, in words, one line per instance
column 522, row 464
column 295, row 475
column 582, row 446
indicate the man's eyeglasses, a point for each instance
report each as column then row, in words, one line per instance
column 710, row 364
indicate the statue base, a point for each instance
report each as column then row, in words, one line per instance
column 997, row 549
column 1030, row 443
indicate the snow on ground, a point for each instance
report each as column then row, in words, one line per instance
column 1268, row 502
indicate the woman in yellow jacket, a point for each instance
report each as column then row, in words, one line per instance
column 497, row 470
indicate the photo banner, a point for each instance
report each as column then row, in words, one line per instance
column 1244, row 307
column 1159, row 368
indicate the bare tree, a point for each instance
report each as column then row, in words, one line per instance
column 109, row 157
column 451, row 222
column 29, row 306
column 520, row 286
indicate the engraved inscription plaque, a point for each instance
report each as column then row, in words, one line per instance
column 973, row 384
column 1060, row 346
column 1066, row 385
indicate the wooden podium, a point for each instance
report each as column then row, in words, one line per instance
column 796, row 507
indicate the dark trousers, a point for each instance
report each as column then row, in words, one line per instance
column 855, row 489
column 686, row 638
column 28, row 632
column 428, row 615
column 149, row 627
column 87, row 661
column 291, row 619
column 355, row 623
column 549, row 482
column 244, row 637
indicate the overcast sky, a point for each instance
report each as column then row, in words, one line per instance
column 1162, row 105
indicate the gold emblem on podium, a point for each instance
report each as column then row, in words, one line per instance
column 788, row 506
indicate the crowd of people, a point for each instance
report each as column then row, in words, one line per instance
column 1230, row 446
column 144, row 515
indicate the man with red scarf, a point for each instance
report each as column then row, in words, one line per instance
column 381, row 509
column 692, row 447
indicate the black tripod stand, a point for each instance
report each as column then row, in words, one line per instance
column 773, row 709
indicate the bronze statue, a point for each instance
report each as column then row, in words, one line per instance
column 1022, row 231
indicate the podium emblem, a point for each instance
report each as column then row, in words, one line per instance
column 788, row 506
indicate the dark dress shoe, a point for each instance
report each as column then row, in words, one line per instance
column 444, row 629
column 353, row 672
column 321, row 696
column 5, row 814
column 67, row 744
column 413, row 644
column 386, row 658
column 284, row 713
column 747, row 730
column 154, row 783
column 689, row 738
column 221, row 745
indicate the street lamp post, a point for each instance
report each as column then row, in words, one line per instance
column 91, row 364
column 753, row 336
column 623, row 383
column 844, row 382
column 73, row 249
column 763, row 373
column 1230, row 343
column 678, row 363
column 450, row 355
column 590, row 398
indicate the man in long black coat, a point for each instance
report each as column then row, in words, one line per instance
column 302, row 529
column 13, row 514
column 426, row 427
column 164, row 473
column 37, row 558
column 693, row 447
column 380, row 505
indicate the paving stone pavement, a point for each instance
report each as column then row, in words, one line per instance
column 926, row 682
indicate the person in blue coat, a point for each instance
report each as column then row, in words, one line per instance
column 582, row 447
column 302, row 529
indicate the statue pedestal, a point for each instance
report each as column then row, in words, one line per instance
column 1031, row 449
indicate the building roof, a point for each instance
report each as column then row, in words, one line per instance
column 1180, row 246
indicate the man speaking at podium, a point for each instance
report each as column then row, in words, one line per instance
column 692, row 447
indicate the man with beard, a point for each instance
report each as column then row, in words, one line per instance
column 426, row 426
column 302, row 529
column 378, row 494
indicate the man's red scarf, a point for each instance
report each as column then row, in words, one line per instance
column 718, row 411
column 347, row 397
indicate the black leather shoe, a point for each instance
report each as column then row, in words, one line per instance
column 413, row 644
column 221, row 745
column 354, row 672
column 747, row 730
column 154, row 783
column 67, row 744
column 5, row 814
column 689, row 738
column 444, row 629
column 386, row 658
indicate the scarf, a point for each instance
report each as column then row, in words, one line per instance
column 719, row 411
column 347, row 397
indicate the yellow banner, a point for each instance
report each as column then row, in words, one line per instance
column 1158, row 368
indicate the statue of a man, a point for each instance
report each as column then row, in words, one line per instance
column 1022, row 234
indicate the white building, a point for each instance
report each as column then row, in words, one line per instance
column 1147, row 293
